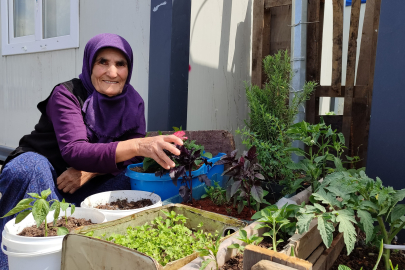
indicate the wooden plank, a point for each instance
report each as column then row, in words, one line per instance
column 276, row 3
column 327, row 91
column 359, row 91
column 350, row 73
column 316, row 254
column 337, row 45
column 377, row 7
column 254, row 254
column 314, row 37
column 308, row 242
column 257, row 42
column 265, row 264
column 330, row 255
column 280, row 33
column 266, row 39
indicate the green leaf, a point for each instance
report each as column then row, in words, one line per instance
column 46, row 193
column 343, row 267
column 320, row 207
column 326, row 231
column 64, row 205
column 62, row 231
column 320, row 158
column 207, row 155
column 240, row 206
column 22, row 205
column 205, row 263
column 369, row 204
column 243, row 234
column 341, row 138
column 21, row 216
column 368, row 223
column 55, row 206
column 40, row 210
column 327, row 198
column 338, row 164
column 397, row 212
column 303, row 222
column 72, row 209
column 257, row 215
column 203, row 252
column 399, row 195
column 297, row 151
column 346, row 220
column 233, row 246
column 35, row 195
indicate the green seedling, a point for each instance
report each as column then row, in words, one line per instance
column 277, row 219
column 210, row 250
column 165, row 239
column 216, row 194
column 253, row 240
column 39, row 209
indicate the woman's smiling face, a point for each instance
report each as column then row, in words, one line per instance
column 110, row 72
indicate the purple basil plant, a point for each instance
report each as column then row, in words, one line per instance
column 185, row 163
column 246, row 177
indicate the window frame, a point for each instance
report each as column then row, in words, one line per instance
column 35, row 43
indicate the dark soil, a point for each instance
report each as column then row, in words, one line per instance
column 141, row 170
column 72, row 224
column 366, row 257
column 236, row 263
column 125, row 205
column 207, row 205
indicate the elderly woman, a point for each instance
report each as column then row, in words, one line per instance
column 90, row 129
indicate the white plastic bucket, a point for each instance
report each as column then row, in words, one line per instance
column 111, row 196
column 38, row 253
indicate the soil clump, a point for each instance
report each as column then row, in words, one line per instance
column 72, row 224
column 125, row 205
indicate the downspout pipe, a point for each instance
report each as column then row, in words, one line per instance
column 298, row 57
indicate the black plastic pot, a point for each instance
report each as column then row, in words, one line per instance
column 274, row 189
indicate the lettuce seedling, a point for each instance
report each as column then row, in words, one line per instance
column 253, row 240
column 39, row 209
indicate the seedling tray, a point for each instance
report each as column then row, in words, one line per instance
column 82, row 252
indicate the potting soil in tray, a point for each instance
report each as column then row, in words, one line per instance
column 236, row 263
column 125, row 205
column 366, row 257
column 207, row 205
column 72, row 224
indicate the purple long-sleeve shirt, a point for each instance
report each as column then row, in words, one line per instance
column 77, row 143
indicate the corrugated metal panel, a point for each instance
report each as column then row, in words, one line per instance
column 220, row 60
column 27, row 79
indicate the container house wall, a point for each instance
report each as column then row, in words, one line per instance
column 27, row 79
column 220, row 62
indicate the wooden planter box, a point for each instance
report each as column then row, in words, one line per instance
column 307, row 246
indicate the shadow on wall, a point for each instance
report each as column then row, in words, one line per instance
column 217, row 97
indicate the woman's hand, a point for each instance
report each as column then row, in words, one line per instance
column 151, row 147
column 72, row 179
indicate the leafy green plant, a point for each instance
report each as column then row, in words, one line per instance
column 355, row 199
column 245, row 177
column 253, row 240
column 277, row 219
column 215, row 193
column 272, row 111
column 210, row 250
column 39, row 209
column 324, row 145
column 165, row 239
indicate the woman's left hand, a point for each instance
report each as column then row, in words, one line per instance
column 72, row 179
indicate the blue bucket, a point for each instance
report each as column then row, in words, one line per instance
column 163, row 186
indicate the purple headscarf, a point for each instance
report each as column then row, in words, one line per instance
column 111, row 117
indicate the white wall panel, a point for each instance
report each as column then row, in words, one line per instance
column 220, row 60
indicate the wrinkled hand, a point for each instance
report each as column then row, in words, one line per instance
column 72, row 179
column 153, row 147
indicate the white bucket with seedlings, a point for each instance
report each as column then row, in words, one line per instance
column 39, row 253
column 109, row 197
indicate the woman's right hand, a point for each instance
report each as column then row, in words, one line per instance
column 151, row 147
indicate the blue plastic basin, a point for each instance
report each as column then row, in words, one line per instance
column 163, row 186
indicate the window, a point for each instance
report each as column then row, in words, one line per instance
column 29, row 26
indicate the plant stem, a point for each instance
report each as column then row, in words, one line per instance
column 274, row 236
column 386, row 241
column 46, row 228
